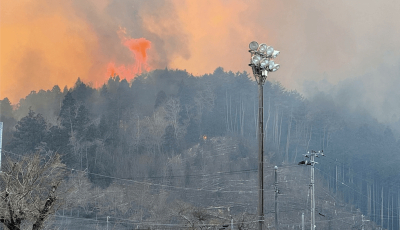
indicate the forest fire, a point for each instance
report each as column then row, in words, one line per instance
column 138, row 47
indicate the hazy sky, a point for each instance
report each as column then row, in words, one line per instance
column 350, row 49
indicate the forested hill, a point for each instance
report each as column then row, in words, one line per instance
column 168, row 126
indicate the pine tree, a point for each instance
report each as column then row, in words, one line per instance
column 6, row 116
column 57, row 140
column 6, row 109
column 68, row 112
column 170, row 142
column 30, row 134
column 81, row 121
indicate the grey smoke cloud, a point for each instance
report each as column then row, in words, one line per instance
column 376, row 91
column 165, row 34
column 345, row 44
column 348, row 49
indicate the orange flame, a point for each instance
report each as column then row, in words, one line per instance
column 138, row 47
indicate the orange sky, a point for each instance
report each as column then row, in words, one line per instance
column 39, row 50
column 45, row 42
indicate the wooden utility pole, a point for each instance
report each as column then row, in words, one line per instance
column 336, row 183
column 382, row 208
column 276, row 198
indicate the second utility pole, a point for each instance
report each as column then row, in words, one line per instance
column 312, row 162
column 276, row 198
column 312, row 191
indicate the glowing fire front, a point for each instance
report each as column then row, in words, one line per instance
column 138, row 47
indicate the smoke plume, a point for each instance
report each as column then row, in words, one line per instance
column 45, row 42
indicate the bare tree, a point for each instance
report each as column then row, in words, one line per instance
column 154, row 130
column 81, row 192
column 246, row 221
column 172, row 111
column 29, row 192
column 197, row 218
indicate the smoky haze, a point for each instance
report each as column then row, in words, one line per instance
column 79, row 39
column 171, row 141
column 344, row 44
column 375, row 92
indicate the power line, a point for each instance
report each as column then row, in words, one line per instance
column 170, row 186
column 179, row 176
column 343, row 183
column 344, row 164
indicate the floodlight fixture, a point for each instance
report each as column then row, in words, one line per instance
column 275, row 53
column 276, row 67
column 271, row 64
column 264, row 63
column 270, row 51
column 253, row 46
column 262, row 48
column 255, row 60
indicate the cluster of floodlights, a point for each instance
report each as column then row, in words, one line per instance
column 262, row 55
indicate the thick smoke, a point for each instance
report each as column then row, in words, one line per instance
column 45, row 43
column 375, row 92
column 331, row 40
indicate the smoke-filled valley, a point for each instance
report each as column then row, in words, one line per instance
column 168, row 150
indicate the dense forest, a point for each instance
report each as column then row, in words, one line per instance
column 170, row 141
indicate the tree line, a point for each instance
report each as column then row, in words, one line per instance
column 167, row 126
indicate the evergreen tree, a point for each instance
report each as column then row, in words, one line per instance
column 30, row 133
column 6, row 116
column 161, row 98
column 68, row 112
column 57, row 140
column 6, row 109
column 170, row 142
column 81, row 92
column 81, row 121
